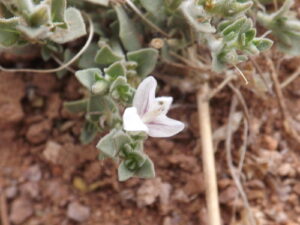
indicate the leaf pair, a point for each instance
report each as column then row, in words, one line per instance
column 118, row 144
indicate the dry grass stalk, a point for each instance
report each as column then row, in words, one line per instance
column 208, row 157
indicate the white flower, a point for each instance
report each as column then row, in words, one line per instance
column 148, row 113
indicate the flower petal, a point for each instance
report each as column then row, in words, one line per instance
column 163, row 126
column 163, row 103
column 145, row 95
column 132, row 121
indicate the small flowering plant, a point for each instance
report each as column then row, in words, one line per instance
column 119, row 101
column 147, row 116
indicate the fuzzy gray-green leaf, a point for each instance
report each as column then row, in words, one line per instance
column 147, row 170
column 146, row 59
column 124, row 173
column 76, row 27
column 127, row 30
column 58, row 8
column 115, row 70
column 88, row 133
column 87, row 77
column 77, row 106
column 105, row 56
column 9, row 35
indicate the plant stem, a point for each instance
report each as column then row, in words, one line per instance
column 209, row 168
column 65, row 65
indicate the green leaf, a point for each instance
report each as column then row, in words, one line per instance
column 76, row 27
column 40, row 15
column 124, row 173
column 105, row 56
column 9, row 35
column 88, row 132
column 134, row 160
column 120, row 139
column 88, row 77
column 77, row 106
column 235, row 26
column 155, row 7
column 147, row 170
column 100, row 2
column 121, row 90
column 263, row 44
column 87, row 58
column 96, row 107
column 100, row 87
column 112, row 143
column 24, row 6
column 40, row 32
column 58, row 8
column 250, row 35
column 115, row 70
column 127, row 31
column 107, row 145
column 146, row 59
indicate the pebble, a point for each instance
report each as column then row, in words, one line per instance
column 38, row 133
column 52, row 151
column 21, row 210
column 78, row 212
column 11, row 192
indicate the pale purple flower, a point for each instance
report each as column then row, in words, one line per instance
column 148, row 113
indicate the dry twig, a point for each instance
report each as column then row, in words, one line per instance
column 65, row 65
column 208, row 157
column 286, row 118
column 3, row 209
column 290, row 79
column 234, row 174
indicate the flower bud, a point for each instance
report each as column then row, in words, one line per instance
column 100, row 87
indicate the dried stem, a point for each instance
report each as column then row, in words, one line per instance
column 290, row 79
column 64, row 66
column 3, row 209
column 281, row 102
column 221, row 86
column 233, row 171
column 208, row 157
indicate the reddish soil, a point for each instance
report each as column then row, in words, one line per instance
column 48, row 178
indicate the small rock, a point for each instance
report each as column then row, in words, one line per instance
column 52, row 151
column 286, row 169
column 11, row 192
column 180, row 196
column 297, row 188
column 270, row 142
column 164, row 197
column 78, row 212
column 228, row 194
column 148, row 192
column 21, row 210
column 53, row 106
column 34, row 173
column 11, row 93
column 31, row 189
column 57, row 192
column 39, row 132
column 167, row 221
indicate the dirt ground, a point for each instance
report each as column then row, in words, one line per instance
column 48, row 178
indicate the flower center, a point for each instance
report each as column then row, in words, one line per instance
column 158, row 108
